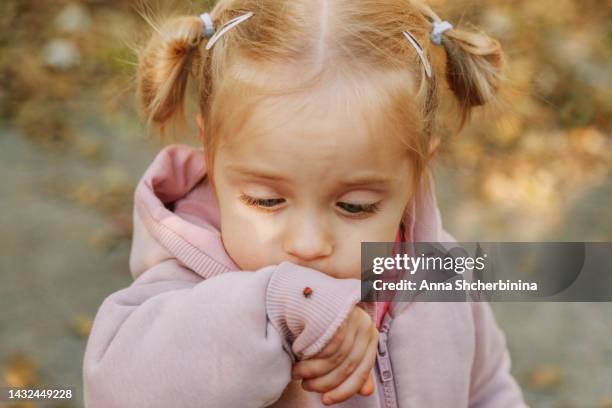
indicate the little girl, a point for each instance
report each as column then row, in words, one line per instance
column 317, row 121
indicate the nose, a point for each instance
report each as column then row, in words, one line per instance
column 307, row 240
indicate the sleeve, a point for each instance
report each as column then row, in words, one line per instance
column 173, row 339
column 492, row 385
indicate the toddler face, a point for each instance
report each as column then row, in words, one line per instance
column 309, row 189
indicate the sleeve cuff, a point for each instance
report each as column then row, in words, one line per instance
column 308, row 322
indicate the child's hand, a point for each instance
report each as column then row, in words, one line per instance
column 343, row 367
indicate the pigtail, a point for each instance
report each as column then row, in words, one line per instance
column 473, row 70
column 164, row 67
column 474, row 66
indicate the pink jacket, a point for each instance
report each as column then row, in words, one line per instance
column 193, row 330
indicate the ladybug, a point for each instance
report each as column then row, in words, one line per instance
column 307, row 292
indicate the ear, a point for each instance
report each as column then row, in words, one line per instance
column 200, row 122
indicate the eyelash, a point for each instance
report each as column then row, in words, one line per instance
column 260, row 203
column 364, row 208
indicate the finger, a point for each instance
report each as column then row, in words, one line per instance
column 353, row 384
column 368, row 387
column 342, row 372
column 356, row 317
column 317, row 365
column 336, row 341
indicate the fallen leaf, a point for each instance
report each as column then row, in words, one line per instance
column 81, row 325
column 20, row 371
column 545, row 378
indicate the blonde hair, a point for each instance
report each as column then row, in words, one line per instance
column 356, row 39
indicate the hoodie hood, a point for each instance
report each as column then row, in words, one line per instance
column 176, row 215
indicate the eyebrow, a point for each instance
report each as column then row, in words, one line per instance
column 361, row 180
column 262, row 174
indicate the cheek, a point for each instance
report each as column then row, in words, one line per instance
column 347, row 258
column 246, row 241
column 349, row 266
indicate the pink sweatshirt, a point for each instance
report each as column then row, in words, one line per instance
column 193, row 330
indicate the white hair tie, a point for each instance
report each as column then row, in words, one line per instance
column 439, row 28
column 209, row 27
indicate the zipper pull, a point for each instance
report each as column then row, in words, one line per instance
column 383, row 361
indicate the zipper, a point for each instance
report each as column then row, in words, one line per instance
column 385, row 371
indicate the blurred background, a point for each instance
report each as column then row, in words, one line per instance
column 72, row 149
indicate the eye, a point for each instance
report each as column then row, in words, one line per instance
column 359, row 208
column 263, row 203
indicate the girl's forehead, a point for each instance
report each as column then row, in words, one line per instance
column 314, row 140
column 314, row 127
column 334, row 114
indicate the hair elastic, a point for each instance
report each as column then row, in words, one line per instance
column 439, row 28
column 420, row 52
column 209, row 28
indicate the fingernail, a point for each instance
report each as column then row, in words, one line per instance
column 327, row 400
